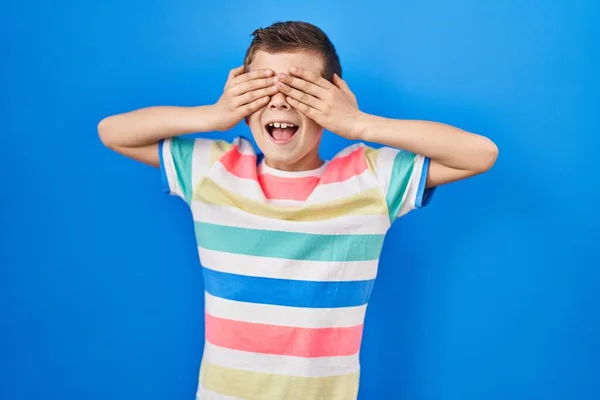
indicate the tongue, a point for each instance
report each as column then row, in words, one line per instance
column 282, row 133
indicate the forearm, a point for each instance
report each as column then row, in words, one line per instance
column 149, row 125
column 449, row 146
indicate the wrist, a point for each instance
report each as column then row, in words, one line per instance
column 363, row 123
column 207, row 117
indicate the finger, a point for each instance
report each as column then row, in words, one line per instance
column 340, row 83
column 343, row 86
column 254, row 95
column 311, row 77
column 301, row 96
column 251, row 85
column 254, row 106
column 235, row 72
column 305, row 109
column 248, row 76
column 303, row 85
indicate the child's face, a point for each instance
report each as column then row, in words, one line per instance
column 291, row 148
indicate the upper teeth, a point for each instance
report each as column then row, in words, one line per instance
column 281, row 125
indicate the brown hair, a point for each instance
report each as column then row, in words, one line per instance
column 294, row 36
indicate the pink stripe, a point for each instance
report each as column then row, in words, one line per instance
column 238, row 164
column 344, row 168
column 299, row 189
column 275, row 187
column 283, row 340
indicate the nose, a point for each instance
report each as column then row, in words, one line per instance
column 278, row 102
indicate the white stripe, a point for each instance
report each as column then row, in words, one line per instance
column 205, row 394
column 169, row 166
column 340, row 190
column 200, row 159
column 251, row 189
column 284, row 316
column 286, row 203
column 235, row 217
column 267, row 267
column 278, row 364
column 244, row 146
column 348, row 150
column 384, row 166
column 410, row 195
column 248, row 188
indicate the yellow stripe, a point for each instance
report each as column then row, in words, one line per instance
column 368, row 202
column 218, row 148
column 259, row 386
column 372, row 155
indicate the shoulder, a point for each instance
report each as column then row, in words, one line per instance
column 351, row 161
column 355, row 153
column 361, row 154
column 207, row 149
column 186, row 160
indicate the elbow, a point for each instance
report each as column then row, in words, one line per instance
column 488, row 156
column 105, row 133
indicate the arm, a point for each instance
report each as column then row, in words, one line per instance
column 455, row 154
column 136, row 134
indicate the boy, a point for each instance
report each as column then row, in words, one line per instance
column 289, row 242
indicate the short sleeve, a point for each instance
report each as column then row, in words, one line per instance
column 183, row 163
column 402, row 176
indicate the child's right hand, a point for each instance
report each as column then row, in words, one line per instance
column 244, row 93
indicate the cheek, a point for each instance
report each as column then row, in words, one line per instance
column 313, row 129
column 253, row 119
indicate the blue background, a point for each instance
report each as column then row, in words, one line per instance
column 492, row 292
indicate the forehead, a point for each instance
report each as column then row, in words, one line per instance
column 281, row 62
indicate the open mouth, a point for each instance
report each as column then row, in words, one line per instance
column 281, row 132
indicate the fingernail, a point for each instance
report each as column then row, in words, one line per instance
column 282, row 75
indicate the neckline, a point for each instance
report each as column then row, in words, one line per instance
column 263, row 169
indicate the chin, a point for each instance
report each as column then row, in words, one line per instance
column 285, row 147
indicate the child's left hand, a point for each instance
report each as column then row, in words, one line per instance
column 331, row 105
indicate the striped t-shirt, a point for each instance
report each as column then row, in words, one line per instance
column 289, row 260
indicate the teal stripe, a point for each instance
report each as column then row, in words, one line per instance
column 182, row 150
column 401, row 172
column 288, row 245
